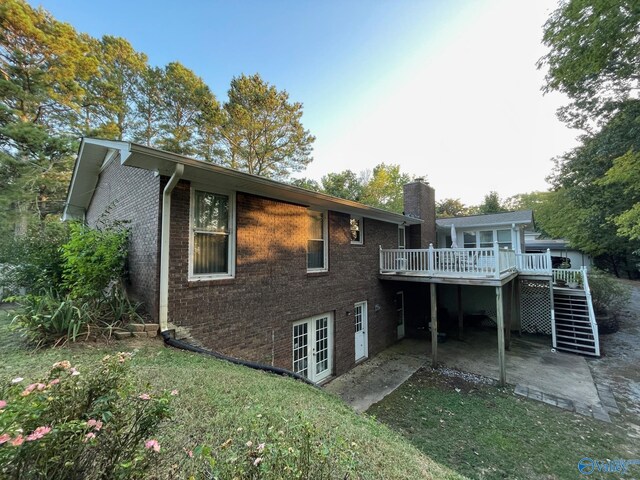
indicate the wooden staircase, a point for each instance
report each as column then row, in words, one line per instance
column 575, row 329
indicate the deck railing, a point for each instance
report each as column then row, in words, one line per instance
column 534, row 263
column 491, row 262
column 471, row 262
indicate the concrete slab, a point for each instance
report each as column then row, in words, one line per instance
column 530, row 363
column 376, row 378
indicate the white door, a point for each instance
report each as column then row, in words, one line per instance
column 313, row 347
column 400, row 313
column 361, row 336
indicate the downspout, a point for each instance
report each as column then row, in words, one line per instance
column 164, row 246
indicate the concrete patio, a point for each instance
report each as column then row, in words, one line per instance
column 560, row 379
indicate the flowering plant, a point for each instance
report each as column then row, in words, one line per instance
column 80, row 423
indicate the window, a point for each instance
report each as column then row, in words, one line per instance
column 357, row 230
column 486, row 238
column 504, row 238
column 211, row 240
column 469, row 239
column 316, row 241
column 401, row 237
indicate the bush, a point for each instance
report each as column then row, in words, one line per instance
column 54, row 319
column 608, row 294
column 50, row 319
column 34, row 261
column 80, row 425
column 94, row 259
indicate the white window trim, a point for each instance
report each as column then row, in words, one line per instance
column 232, row 235
column 325, row 233
column 361, row 224
column 477, row 234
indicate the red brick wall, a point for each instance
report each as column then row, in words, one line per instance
column 133, row 194
column 251, row 315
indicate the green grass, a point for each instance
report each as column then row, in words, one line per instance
column 487, row 432
column 219, row 401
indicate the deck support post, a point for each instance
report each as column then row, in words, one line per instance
column 460, row 313
column 501, row 354
column 434, row 326
column 508, row 314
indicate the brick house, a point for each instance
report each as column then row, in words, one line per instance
column 251, row 267
column 276, row 274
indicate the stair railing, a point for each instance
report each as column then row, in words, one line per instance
column 592, row 315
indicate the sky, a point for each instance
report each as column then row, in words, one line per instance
column 447, row 89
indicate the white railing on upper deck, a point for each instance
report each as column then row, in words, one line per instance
column 534, row 263
column 464, row 262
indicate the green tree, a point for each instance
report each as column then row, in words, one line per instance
column 147, row 102
column 42, row 65
column 108, row 104
column 345, row 184
column 308, row 183
column 625, row 174
column 262, row 131
column 384, row 188
column 450, row 207
column 492, row 203
column 186, row 100
column 594, row 52
column 591, row 203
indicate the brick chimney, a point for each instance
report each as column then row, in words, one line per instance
column 420, row 202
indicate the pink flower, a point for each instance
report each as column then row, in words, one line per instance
column 260, row 447
column 16, row 442
column 144, row 396
column 89, row 436
column 4, row 438
column 41, row 386
column 53, row 382
column 29, row 389
column 2, row 404
column 257, row 461
column 17, row 380
column 152, row 445
column 74, row 372
column 38, row 433
column 174, row 392
column 189, row 453
column 96, row 424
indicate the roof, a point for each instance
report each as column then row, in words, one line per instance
column 519, row 217
column 94, row 154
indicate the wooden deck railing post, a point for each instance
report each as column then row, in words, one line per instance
column 431, row 259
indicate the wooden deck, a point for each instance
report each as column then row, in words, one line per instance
column 463, row 266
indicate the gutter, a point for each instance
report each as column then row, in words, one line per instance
column 164, row 246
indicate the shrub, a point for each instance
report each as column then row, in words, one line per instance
column 608, row 294
column 94, row 258
column 80, row 425
column 34, row 261
column 51, row 319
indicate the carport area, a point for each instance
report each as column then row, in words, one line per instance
column 560, row 379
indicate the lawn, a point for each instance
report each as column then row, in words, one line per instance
column 485, row 432
column 224, row 404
